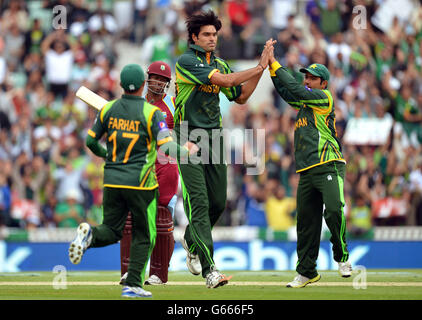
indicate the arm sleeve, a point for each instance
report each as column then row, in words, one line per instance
column 172, row 148
column 320, row 100
column 93, row 137
column 95, row 147
column 284, row 94
column 231, row 93
column 282, row 91
column 159, row 129
column 164, row 139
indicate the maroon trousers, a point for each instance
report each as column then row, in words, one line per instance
column 168, row 179
column 164, row 245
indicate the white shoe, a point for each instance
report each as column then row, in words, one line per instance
column 122, row 279
column 135, row 292
column 301, row 281
column 192, row 260
column 153, row 280
column 345, row 269
column 216, row 279
column 81, row 243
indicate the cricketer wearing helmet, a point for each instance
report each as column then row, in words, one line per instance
column 320, row 164
column 158, row 81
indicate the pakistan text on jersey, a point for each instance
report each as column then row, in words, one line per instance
column 210, row 88
column 301, row 122
column 123, row 124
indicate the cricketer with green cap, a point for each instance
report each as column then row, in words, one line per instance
column 132, row 77
column 133, row 129
column 320, row 164
column 317, row 70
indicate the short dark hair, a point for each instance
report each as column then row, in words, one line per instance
column 196, row 21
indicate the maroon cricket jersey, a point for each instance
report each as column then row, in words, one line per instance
column 167, row 107
column 167, row 174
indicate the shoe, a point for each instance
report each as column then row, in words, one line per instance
column 345, row 269
column 122, row 279
column 216, row 279
column 153, row 280
column 301, row 281
column 81, row 243
column 192, row 260
column 135, row 292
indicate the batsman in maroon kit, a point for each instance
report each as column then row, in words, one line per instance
column 158, row 81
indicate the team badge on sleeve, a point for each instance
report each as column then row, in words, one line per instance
column 162, row 125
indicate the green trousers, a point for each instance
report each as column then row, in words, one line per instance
column 319, row 186
column 204, row 186
column 117, row 203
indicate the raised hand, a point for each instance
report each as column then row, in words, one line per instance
column 267, row 53
column 263, row 61
column 270, row 43
column 271, row 58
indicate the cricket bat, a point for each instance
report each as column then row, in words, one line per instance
column 91, row 98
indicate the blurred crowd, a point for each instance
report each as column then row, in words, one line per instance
column 49, row 179
column 376, row 76
column 48, row 49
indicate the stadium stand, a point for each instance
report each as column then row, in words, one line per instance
column 376, row 69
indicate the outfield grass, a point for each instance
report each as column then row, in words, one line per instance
column 245, row 285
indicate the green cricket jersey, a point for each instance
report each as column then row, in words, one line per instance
column 197, row 99
column 315, row 138
column 134, row 128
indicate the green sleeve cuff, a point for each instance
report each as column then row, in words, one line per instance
column 172, row 148
column 95, row 147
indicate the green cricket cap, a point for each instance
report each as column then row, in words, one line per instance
column 318, row 70
column 132, row 77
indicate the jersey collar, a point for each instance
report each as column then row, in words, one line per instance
column 208, row 55
column 129, row 96
column 199, row 49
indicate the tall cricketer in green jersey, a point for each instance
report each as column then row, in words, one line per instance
column 200, row 77
column 197, row 99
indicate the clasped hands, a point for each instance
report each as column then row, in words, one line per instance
column 267, row 55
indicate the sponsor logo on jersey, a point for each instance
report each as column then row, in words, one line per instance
column 210, row 88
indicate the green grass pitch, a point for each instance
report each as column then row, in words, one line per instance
column 405, row 284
